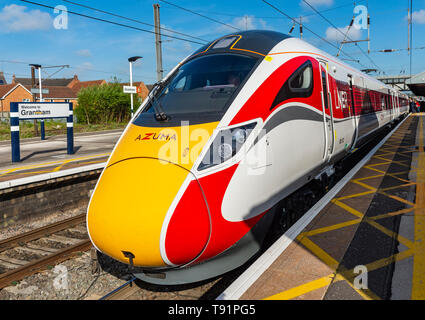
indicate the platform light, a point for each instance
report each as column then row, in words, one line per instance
column 130, row 61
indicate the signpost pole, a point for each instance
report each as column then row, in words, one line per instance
column 131, row 84
column 70, row 130
column 14, row 132
column 43, row 137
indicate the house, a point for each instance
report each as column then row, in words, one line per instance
column 76, row 86
column 22, row 93
column 12, row 93
column 58, row 82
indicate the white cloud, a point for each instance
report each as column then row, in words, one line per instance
column 333, row 34
column 15, row 18
column 418, row 16
column 247, row 22
column 83, row 53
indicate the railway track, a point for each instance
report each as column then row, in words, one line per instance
column 27, row 253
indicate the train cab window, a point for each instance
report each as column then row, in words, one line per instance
column 302, row 80
column 298, row 85
column 201, row 85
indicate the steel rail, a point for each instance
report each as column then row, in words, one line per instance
column 19, row 273
column 41, row 232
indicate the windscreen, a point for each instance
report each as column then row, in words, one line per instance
column 202, row 85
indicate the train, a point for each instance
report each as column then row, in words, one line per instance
column 189, row 191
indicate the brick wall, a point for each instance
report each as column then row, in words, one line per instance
column 23, row 203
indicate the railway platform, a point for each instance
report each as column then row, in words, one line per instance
column 367, row 242
column 40, row 157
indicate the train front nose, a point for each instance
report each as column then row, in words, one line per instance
column 129, row 206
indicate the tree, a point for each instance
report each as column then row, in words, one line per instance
column 104, row 103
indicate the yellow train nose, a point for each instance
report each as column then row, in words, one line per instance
column 128, row 208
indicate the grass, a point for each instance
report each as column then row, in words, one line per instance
column 54, row 127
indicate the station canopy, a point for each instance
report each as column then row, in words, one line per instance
column 417, row 84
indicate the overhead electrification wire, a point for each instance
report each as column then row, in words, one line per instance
column 111, row 22
column 336, row 28
column 395, row 50
column 286, row 15
column 201, row 15
column 134, row 20
column 267, row 17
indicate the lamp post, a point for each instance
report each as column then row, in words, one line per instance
column 38, row 66
column 131, row 60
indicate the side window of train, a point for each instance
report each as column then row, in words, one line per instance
column 298, row 85
column 325, row 90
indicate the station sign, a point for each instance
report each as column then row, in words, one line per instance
column 130, row 89
column 43, row 110
column 40, row 110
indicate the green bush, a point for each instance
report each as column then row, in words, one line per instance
column 104, row 104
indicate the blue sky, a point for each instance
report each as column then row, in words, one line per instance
column 96, row 50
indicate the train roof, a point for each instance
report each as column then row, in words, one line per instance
column 252, row 41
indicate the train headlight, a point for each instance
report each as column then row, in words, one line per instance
column 240, row 135
column 224, row 151
column 226, row 144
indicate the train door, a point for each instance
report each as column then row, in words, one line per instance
column 392, row 107
column 398, row 104
column 353, row 112
column 327, row 108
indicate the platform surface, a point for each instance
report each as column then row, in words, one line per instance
column 38, row 157
column 369, row 241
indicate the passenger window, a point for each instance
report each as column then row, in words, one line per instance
column 302, row 79
column 298, row 85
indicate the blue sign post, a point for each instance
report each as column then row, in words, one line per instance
column 41, row 110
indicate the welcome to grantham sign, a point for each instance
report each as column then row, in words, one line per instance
column 42, row 110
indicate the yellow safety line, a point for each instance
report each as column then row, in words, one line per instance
column 356, row 195
column 381, row 228
column 396, row 198
column 366, row 294
column 390, row 233
column 348, row 208
column 364, row 185
column 319, row 252
column 302, row 289
column 55, row 162
column 331, row 228
column 400, row 186
column 370, row 177
column 58, row 168
column 392, row 214
column 418, row 280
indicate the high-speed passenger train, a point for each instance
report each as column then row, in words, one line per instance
column 189, row 190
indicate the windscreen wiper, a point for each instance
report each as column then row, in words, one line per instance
column 160, row 115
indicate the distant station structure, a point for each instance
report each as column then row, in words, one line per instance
column 413, row 86
column 396, row 81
